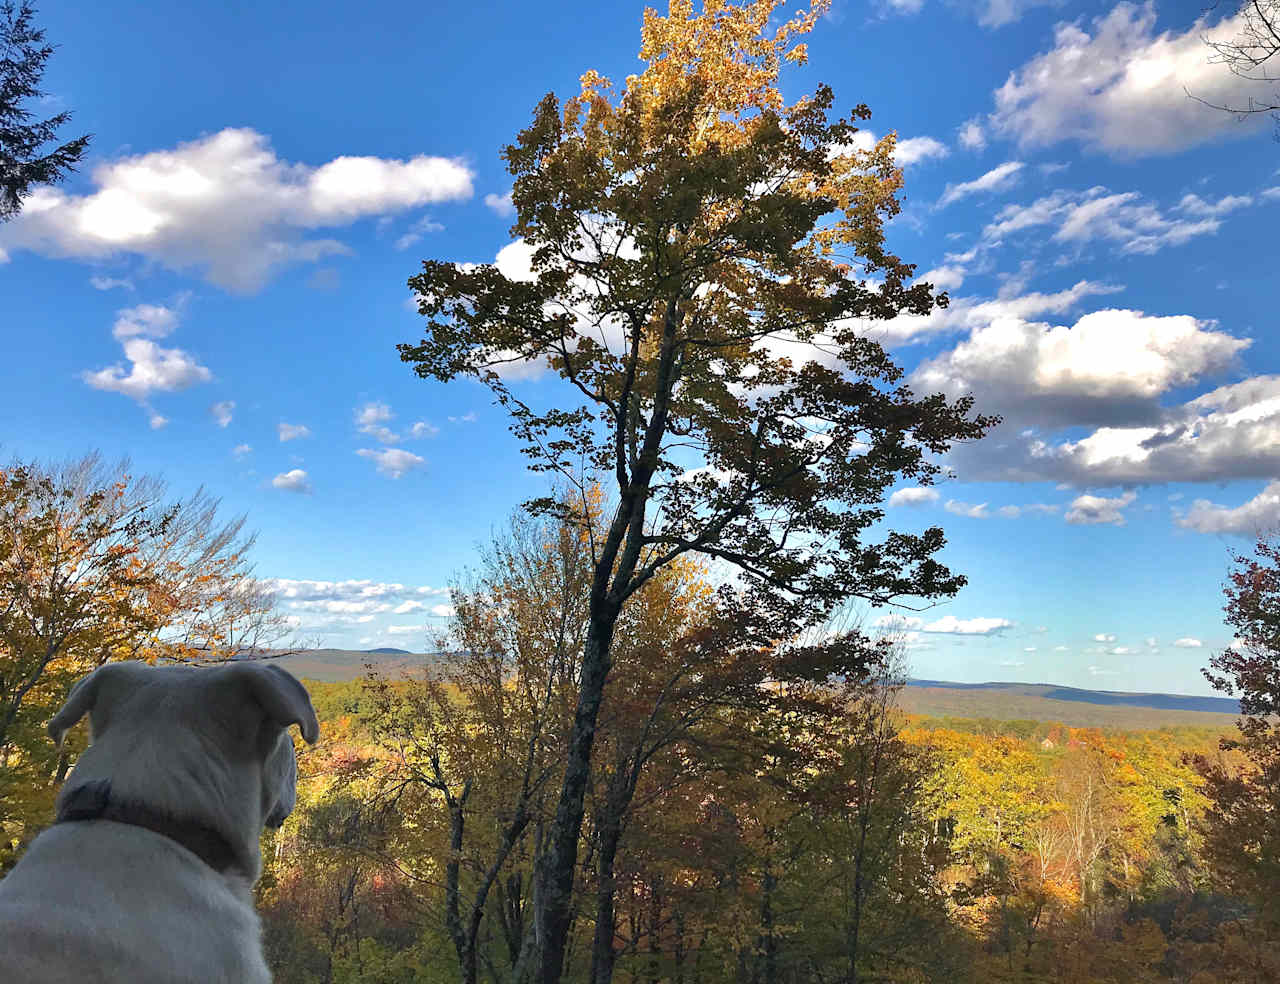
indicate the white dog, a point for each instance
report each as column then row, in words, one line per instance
column 146, row 876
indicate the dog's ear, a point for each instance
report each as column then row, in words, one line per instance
column 280, row 782
column 84, row 698
column 282, row 697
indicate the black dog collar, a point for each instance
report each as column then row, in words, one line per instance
column 92, row 801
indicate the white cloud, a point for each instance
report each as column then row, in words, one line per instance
column 1099, row 671
column 997, row 179
column 145, row 321
column 372, row 419
column 970, row 626
column 1260, row 513
column 292, row 481
column 1028, row 649
column 299, row 591
column 913, row 150
column 500, row 204
column 1228, row 433
column 971, row 135
column 912, row 496
column 1271, row 194
column 1120, row 651
column 408, row 606
column 944, row 277
column 109, row 283
column 423, row 429
column 1196, row 205
column 240, row 450
column 443, row 611
column 1032, row 509
column 1012, row 663
column 966, row 509
column 292, row 432
column 1081, row 217
column 1062, row 649
column 466, row 418
column 151, row 368
column 221, row 412
column 227, row 206
column 998, row 13
column 1123, row 88
column 392, row 462
column 1105, row 637
column 1092, row 510
column 1111, row 365
column 405, row 629
column 1186, row 642
column 416, row 231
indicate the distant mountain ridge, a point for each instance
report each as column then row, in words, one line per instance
column 1049, row 691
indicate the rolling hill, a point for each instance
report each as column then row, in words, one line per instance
column 1001, row 701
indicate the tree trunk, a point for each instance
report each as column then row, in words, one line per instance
column 558, row 865
column 603, row 955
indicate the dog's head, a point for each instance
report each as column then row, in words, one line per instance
column 208, row 745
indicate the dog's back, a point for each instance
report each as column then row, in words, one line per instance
column 68, row 916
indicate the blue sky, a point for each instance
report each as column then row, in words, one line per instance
column 218, row 294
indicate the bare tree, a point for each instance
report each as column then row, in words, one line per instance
column 1252, row 55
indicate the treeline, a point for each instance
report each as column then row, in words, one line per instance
column 882, row 849
column 743, row 823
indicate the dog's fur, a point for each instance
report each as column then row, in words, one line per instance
column 101, row 900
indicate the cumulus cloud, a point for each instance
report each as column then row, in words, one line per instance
column 913, row 150
column 292, row 481
column 913, row 496
column 971, row 134
column 151, row 367
column 1105, row 637
column 1186, row 642
column 443, row 611
column 1096, row 214
column 970, row 626
column 1260, row 513
column 997, row 179
column 1120, row 87
column 1111, row 366
column 222, row 411
column 500, row 204
column 968, row 313
column 1093, row 510
column 372, row 419
column 226, row 206
column 408, row 606
column 240, row 450
column 966, row 509
column 1230, row 432
column 292, row 432
column 392, row 462
column 292, row 591
column 423, row 429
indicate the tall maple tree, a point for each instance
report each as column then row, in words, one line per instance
column 705, row 260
